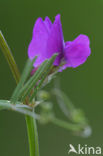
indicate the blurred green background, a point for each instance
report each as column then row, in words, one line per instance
column 84, row 85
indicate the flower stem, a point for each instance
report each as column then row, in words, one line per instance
column 32, row 136
column 30, row 121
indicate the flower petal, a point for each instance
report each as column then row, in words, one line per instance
column 38, row 44
column 77, row 51
column 47, row 39
column 48, row 23
column 55, row 41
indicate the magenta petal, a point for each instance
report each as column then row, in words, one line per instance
column 48, row 23
column 47, row 39
column 77, row 51
column 55, row 41
column 37, row 46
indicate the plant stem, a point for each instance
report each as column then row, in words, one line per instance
column 30, row 121
column 32, row 136
column 9, row 57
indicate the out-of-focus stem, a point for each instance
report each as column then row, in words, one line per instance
column 66, row 125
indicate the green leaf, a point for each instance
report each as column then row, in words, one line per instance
column 9, row 57
column 24, row 76
column 47, row 70
column 29, row 84
column 33, row 80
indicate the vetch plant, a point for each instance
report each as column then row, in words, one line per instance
column 48, row 55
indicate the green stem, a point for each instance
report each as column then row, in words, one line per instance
column 32, row 136
column 30, row 121
column 9, row 57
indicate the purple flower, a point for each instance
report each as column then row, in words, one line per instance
column 48, row 39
